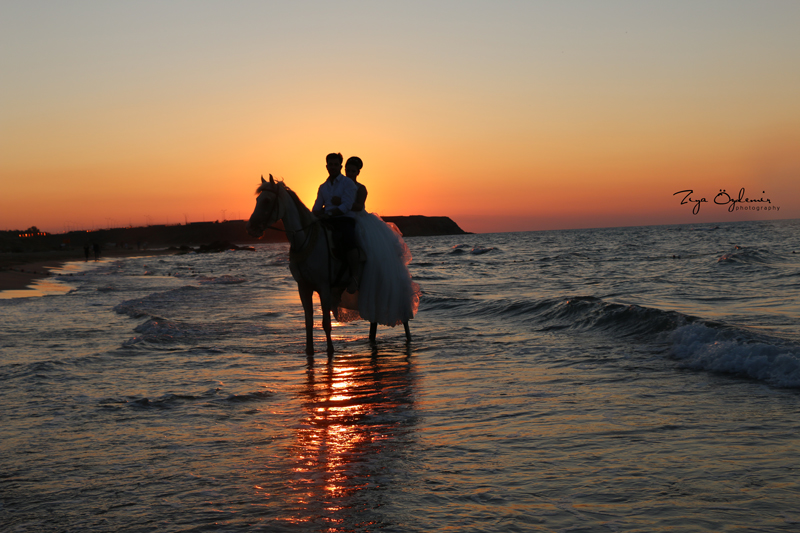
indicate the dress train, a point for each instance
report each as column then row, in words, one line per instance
column 386, row 293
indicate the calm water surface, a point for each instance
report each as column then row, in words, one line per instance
column 635, row 379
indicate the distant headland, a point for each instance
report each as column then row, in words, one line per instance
column 191, row 234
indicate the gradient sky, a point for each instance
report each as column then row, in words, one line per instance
column 504, row 115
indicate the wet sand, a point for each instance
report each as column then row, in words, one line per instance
column 19, row 270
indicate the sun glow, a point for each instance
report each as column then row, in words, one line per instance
column 535, row 116
column 344, row 429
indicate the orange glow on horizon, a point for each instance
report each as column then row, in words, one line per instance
column 597, row 123
column 490, row 192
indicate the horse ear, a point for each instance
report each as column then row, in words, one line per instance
column 271, row 179
column 263, row 181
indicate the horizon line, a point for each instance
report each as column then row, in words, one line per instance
column 19, row 231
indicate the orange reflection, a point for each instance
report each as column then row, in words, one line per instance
column 355, row 406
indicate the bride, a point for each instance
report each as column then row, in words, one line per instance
column 386, row 294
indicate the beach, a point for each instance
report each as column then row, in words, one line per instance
column 20, row 270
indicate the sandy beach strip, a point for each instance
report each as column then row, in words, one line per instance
column 19, row 270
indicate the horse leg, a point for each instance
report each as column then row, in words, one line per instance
column 408, row 331
column 326, row 323
column 308, row 309
column 373, row 330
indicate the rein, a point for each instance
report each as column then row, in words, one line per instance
column 297, row 254
column 300, row 254
column 272, row 210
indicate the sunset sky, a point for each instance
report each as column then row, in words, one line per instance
column 503, row 115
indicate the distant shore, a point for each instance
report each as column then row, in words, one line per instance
column 19, row 270
column 42, row 253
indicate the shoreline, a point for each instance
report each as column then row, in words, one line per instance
column 18, row 271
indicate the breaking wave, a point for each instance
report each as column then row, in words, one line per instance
column 695, row 342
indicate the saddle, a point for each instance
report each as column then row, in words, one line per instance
column 332, row 236
column 335, row 244
column 334, row 239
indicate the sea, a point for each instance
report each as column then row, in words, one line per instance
column 626, row 379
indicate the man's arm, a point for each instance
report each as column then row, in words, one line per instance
column 319, row 204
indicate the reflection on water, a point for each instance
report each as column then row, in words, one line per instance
column 49, row 286
column 358, row 414
column 37, row 288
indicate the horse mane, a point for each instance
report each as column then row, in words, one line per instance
column 292, row 194
column 268, row 186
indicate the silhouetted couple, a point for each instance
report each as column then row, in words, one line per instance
column 385, row 293
column 335, row 200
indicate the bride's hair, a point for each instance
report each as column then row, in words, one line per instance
column 356, row 162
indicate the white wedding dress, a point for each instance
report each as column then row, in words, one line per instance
column 386, row 294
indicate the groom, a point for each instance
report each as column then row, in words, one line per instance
column 335, row 199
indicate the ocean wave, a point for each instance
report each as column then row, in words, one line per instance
column 739, row 352
column 162, row 330
column 566, row 257
column 577, row 313
column 38, row 369
column 250, row 397
column 152, row 304
column 166, row 401
column 221, row 280
column 430, row 277
column 703, row 228
column 473, row 250
column 622, row 320
column 433, row 302
column 171, row 400
column 746, row 256
column 698, row 343
column 479, row 250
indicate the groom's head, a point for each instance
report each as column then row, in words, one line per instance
column 334, row 164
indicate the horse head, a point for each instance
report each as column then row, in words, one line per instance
column 268, row 209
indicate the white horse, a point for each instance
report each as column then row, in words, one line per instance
column 312, row 265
